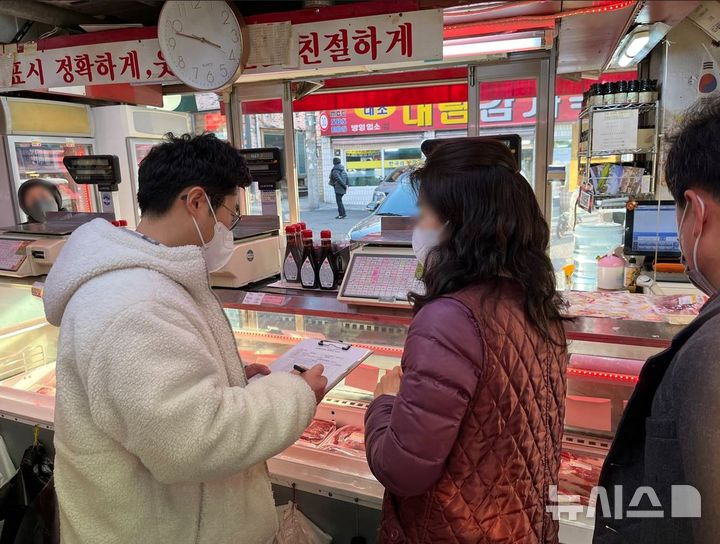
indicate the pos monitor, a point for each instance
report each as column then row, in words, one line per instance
column 513, row 141
column 651, row 229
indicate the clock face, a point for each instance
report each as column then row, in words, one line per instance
column 203, row 42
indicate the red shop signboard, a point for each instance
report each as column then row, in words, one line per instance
column 447, row 116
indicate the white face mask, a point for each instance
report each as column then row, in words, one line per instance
column 423, row 241
column 217, row 252
column 696, row 277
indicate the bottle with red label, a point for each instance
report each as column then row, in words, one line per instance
column 328, row 274
column 291, row 262
column 308, row 263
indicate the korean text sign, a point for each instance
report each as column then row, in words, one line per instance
column 380, row 39
column 136, row 61
column 449, row 115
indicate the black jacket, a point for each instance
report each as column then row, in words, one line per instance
column 669, row 436
column 339, row 179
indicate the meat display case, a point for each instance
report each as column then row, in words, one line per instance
column 606, row 357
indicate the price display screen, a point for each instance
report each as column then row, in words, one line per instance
column 93, row 169
column 12, row 254
column 382, row 277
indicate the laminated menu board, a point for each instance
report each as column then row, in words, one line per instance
column 614, row 130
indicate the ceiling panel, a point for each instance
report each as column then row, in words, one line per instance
column 587, row 41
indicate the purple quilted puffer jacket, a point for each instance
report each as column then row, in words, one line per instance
column 469, row 447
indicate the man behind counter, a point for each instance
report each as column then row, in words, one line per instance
column 669, row 435
column 158, row 435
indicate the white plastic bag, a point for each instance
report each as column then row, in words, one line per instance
column 7, row 468
column 295, row 528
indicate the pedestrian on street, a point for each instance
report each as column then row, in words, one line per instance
column 339, row 181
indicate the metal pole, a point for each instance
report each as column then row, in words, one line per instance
column 473, row 103
column 545, row 134
column 290, row 167
column 235, row 131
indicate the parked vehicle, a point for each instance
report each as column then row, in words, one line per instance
column 388, row 185
column 402, row 201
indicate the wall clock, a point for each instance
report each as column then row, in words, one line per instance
column 204, row 42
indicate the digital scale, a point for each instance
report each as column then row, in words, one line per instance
column 384, row 270
column 30, row 249
column 256, row 255
column 381, row 276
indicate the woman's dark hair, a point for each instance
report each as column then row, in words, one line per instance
column 494, row 227
column 185, row 161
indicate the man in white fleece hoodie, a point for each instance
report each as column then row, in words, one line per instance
column 159, row 437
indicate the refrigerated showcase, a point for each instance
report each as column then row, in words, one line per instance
column 37, row 134
column 606, row 357
column 130, row 132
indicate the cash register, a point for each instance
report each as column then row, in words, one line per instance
column 256, row 255
column 651, row 237
column 30, row 249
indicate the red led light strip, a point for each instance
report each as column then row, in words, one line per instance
column 465, row 29
column 292, row 340
column 398, row 352
column 603, row 375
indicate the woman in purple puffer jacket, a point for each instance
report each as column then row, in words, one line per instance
column 466, row 438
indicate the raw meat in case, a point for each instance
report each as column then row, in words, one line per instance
column 349, row 440
column 317, row 431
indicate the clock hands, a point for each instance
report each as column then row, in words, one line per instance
column 198, row 38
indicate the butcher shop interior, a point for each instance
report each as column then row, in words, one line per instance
column 336, row 107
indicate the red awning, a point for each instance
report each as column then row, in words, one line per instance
column 421, row 93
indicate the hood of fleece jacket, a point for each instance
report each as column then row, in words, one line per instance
column 99, row 247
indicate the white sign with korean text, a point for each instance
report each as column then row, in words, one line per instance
column 615, row 130
column 136, row 61
column 380, row 39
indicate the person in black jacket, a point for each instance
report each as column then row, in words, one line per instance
column 339, row 181
column 665, row 452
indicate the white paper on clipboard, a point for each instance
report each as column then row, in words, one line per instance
column 338, row 362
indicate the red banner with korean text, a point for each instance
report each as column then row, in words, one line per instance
column 446, row 116
column 137, row 61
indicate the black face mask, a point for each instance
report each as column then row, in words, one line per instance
column 39, row 209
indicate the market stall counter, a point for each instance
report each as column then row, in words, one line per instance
column 329, row 460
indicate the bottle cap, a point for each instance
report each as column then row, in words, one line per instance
column 290, row 229
column 325, row 234
column 302, row 225
column 307, row 233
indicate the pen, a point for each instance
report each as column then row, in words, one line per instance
column 299, row 368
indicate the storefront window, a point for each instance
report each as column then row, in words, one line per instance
column 364, row 166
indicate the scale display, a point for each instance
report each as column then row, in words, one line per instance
column 385, row 278
column 265, row 165
column 94, row 169
column 12, row 254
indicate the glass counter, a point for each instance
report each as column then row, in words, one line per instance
column 606, row 357
column 28, row 348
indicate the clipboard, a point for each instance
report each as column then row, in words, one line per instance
column 339, row 359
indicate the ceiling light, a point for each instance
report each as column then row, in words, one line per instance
column 637, row 44
column 453, row 49
column 624, row 61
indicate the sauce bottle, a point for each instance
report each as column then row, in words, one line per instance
column 291, row 267
column 328, row 274
column 300, row 228
column 308, row 264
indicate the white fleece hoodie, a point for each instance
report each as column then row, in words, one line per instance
column 158, row 436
